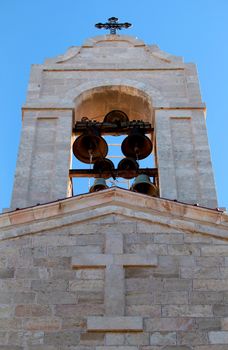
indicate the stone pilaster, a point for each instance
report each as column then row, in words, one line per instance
column 42, row 173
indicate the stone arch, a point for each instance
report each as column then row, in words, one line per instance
column 135, row 93
column 151, row 91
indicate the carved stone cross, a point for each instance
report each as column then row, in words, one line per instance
column 113, row 25
column 114, row 261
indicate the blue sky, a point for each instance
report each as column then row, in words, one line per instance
column 31, row 31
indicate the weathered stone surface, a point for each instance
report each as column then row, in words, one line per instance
column 145, row 285
column 193, row 338
column 73, row 323
column 12, row 323
column 86, row 286
column 215, row 250
column 163, row 338
column 177, row 347
column 211, row 347
column 177, row 284
column 125, row 347
column 114, row 324
column 79, row 310
column 10, row 347
column 92, row 339
column 57, row 297
column 90, row 297
column 51, row 262
column 200, row 272
column 114, row 298
column 113, row 261
column 144, row 310
column 62, row 338
column 6, row 273
column 86, row 274
column 49, row 324
column 210, row 261
column 6, row 311
column 169, row 324
column 208, row 324
column 114, row 339
column 218, row 337
column 137, row 338
column 183, row 249
column 139, row 299
column 26, row 338
column 28, row 272
column 220, row 310
column 50, row 298
column 187, row 311
column 210, row 285
column 32, row 310
column 224, row 324
column 50, row 285
column 200, row 298
column 173, row 297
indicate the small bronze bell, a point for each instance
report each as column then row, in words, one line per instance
column 128, row 164
column 90, row 146
column 103, row 164
column 136, row 145
column 142, row 184
column 116, row 117
column 99, row 185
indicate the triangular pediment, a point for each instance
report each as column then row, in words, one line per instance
column 120, row 51
column 118, row 203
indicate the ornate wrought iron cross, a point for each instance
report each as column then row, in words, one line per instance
column 112, row 25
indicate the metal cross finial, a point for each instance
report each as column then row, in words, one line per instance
column 113, row 25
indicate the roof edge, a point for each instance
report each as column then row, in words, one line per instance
column 114, row 201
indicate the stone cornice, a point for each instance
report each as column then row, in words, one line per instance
column 68, row 105
column 135, row 206
column 119, row 68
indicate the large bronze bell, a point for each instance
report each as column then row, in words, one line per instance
column 142, row 184
column 128, row 164
column 90, row 146
column 136, row 145
column 104, row 165
column 99, row 185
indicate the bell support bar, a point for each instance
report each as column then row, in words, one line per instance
column 152, row 172
column 120, row 128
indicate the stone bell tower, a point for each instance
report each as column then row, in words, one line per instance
column 105, row 73
column 114, row 269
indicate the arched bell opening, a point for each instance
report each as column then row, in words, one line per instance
column 121, row 105
column 98, row 102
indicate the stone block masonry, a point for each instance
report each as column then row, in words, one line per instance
column 115, row 282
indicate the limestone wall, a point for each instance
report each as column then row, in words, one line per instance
column 44, row 158
column 113, row 57
column 113, row 281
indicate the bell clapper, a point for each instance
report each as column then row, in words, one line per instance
column 136, row 149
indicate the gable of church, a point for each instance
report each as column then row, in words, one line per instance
column 109, row 274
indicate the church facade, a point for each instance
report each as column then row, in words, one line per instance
column 114, row 269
